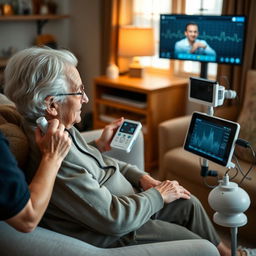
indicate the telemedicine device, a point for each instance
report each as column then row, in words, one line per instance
column 207, row 92
column 126, row 135
column 42, row 123
column 212, row 138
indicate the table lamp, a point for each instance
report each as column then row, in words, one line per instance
column 135, row 42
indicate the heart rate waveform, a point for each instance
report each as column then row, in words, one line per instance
column 209, row 139
column 172, row 35
column 221, row 37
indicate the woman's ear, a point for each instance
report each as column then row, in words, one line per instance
column 52, row 107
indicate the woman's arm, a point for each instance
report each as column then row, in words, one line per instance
column 54, row 146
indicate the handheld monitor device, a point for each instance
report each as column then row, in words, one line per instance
column 126, row 135
column 212, row 138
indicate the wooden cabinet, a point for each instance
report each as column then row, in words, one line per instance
column 150, row 100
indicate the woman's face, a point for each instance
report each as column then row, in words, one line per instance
column 70, row 111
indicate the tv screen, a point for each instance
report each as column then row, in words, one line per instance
column 202, row 38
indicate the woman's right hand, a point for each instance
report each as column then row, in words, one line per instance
column 171, row 191
column 55, row 143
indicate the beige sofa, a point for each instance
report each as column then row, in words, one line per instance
column 176, row 163
column 42, row 242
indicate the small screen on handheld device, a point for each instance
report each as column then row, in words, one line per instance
column 128, row 127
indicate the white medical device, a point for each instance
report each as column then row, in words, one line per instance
column 126, row 135
column 42, row 123
column 212, row 138
column 208, row 92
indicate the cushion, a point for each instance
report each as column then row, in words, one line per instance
column 247, row 118
column 11, row 127
column 5, row 100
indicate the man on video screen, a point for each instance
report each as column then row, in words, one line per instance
column 190, row 44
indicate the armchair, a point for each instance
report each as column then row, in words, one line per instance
column 177, row 164
column 43, row 242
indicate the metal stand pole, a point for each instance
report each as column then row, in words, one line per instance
column 233, row 241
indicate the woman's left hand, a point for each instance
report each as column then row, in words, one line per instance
column 103, row 143
column 146, row 182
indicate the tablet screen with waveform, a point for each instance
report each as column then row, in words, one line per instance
column 212, row 138
column 224, row 35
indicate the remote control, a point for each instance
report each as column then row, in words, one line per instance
column 42, row 123
column 126, row 135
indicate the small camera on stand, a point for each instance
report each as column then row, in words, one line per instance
column 207, row 92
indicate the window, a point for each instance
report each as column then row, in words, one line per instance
column 146, row 13
column 207, row 8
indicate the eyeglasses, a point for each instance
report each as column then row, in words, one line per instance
column 81, row 93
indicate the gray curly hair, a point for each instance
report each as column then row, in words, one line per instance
column 33, row 74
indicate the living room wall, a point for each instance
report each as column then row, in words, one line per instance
column 79, row 33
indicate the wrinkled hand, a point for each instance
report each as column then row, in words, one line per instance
column 171, row 191
column 147, row 182
column 55, row 143
column 103, row 143
column 197, row 45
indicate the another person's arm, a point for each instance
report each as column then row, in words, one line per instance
column 207, row 50
column 54, row 146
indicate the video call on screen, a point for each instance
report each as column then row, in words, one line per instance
column 225, row 34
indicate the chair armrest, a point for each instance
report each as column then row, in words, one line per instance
column 43, row 242
column 135, row 157
column 171, row 133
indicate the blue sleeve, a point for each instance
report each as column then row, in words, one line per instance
column 181, row 47
column 208, row 50
column 14, row 191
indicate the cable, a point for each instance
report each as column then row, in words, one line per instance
column 211, row 172
column 210, row 186
column 228, row 170
column 245, row 144
column 239, row 167
column 242, row 143
column 251, row 167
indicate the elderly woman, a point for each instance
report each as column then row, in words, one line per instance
column 95, row 198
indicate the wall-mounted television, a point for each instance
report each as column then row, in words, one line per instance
column 220, row 39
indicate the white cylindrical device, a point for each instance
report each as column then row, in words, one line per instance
column 230, row 202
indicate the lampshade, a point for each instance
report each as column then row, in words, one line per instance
column 136, row 41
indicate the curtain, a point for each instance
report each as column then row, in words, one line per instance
column 109, row 32
column 236, row 75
